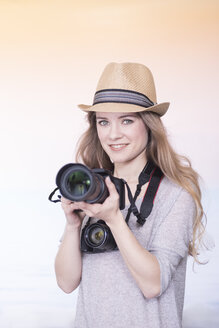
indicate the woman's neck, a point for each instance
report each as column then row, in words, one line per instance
column 129, row 171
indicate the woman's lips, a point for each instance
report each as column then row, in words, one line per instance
column 117, row 147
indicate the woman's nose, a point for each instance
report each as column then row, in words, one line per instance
column 115, row 132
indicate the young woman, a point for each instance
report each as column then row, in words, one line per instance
column 142, row 283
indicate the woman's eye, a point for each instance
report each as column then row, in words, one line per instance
column 102, row 122
column 127, row 121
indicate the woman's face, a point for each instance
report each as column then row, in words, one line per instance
column 123, row 136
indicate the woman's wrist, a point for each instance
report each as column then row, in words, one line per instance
column 72, row 227
column 116, row 221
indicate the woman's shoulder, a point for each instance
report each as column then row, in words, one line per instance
column 169, row 188
column 170, row 192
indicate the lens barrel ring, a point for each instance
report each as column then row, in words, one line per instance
column 67, row 174
column 96, row 228
column 78, row 183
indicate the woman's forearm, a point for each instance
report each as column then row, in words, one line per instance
column 143, row 265
column 68, row 262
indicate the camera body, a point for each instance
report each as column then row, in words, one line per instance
column 77, row 182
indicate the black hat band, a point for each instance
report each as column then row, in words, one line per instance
column 122, row 96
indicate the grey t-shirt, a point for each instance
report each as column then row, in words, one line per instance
column 108, row 294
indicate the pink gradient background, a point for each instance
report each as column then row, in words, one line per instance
column 53, row 52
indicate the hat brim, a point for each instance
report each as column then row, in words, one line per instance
column 160, row 109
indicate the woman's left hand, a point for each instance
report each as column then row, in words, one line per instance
column 106, row 211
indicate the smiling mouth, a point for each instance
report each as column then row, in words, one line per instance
column 118, row 146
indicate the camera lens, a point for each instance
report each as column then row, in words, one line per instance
column 96, row 236
column 78, row 183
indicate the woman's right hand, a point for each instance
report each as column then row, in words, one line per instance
column 73, row 217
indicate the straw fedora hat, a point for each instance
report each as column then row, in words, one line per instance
column 126, row 87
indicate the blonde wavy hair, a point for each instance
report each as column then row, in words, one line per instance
column 174, row 166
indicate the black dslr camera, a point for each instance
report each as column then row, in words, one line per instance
column 97, row 238
column 77, row 182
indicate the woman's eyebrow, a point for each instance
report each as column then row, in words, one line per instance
column 100, row 117
column 128, row 115
column 122, row 116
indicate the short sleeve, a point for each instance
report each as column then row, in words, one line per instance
column 171, row 241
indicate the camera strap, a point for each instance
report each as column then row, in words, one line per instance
column 52, row 194
column 153, row 175
column 151, row 192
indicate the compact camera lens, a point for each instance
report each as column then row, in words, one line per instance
column 96, row 236
column 78, row 183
